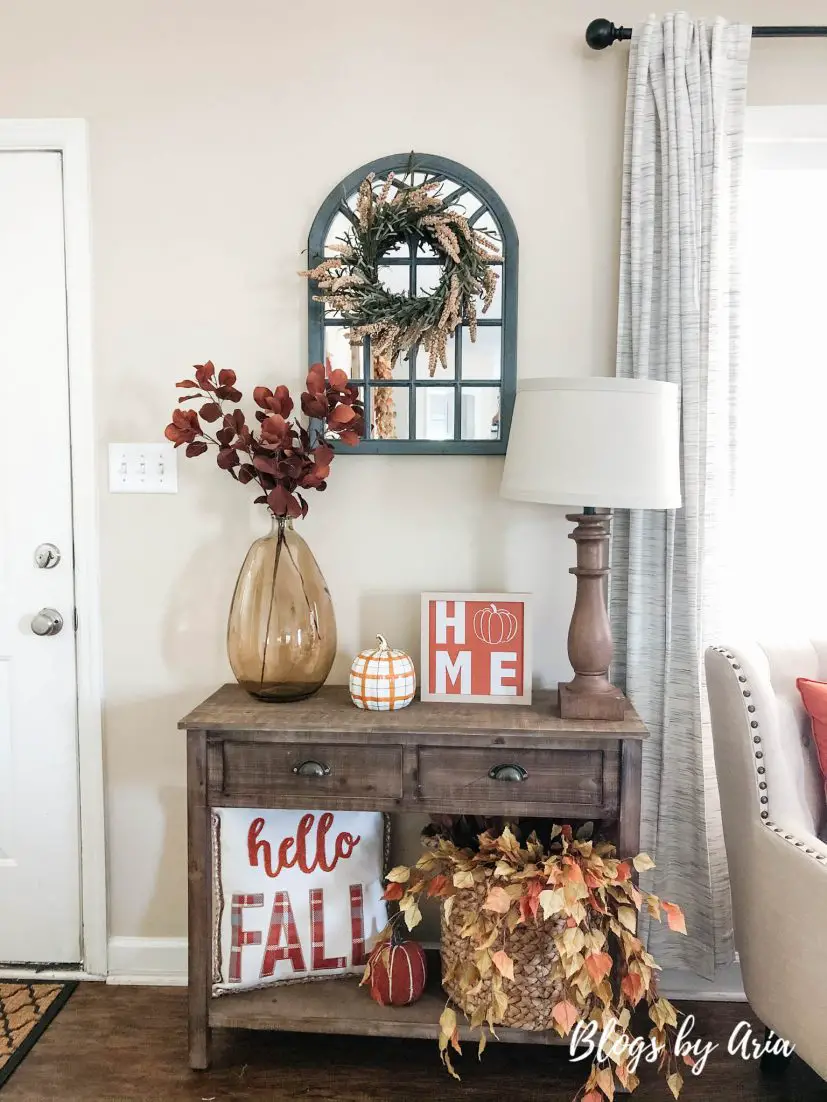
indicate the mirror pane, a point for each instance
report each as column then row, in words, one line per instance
column 495, row 310
column 435, row 413
column 466, row 204
column 482, row 359
column 440, row 372
column 480, row 416
column 427, row 278
column 338, row 228
column 395, row 278
column 337, row 348
column 389, row 412
column 399, row 370
column 488, row 226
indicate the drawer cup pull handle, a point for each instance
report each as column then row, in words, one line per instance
column 507, row 773
column 312, row 769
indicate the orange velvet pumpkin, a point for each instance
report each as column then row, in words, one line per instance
column 396, row 971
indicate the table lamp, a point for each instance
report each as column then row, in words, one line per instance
column 598, row 443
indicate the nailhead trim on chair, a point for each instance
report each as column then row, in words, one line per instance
column 760, row 770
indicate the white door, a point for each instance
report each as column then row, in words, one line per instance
column 39, row 833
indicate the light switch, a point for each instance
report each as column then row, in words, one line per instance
column 143, row 469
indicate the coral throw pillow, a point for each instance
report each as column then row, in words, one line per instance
column 298, row 894
column 814, row 695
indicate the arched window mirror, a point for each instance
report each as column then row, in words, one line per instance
column 463, row 409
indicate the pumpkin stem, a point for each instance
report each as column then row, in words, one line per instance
column 383, row 643
column 493, row 608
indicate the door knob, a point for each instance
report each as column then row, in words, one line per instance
column 47, row 622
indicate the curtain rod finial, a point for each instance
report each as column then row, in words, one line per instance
column 601, row 33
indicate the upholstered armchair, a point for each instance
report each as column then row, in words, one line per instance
column 773, row 809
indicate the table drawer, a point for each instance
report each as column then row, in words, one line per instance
column 255, row 771
column 571, row 778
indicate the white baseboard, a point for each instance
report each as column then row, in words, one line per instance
column 162, row 961
column 12, row 972
column 155, row 961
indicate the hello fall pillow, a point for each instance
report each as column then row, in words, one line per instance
column 298, row 894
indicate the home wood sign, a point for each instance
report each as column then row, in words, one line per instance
column 476, row 648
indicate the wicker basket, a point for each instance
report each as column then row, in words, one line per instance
column 531, row 994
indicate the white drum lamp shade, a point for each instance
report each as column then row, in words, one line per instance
column 602, row 442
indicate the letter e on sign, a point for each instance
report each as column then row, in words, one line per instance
column 476, row 647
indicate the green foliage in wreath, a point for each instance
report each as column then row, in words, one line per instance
column 349, row 281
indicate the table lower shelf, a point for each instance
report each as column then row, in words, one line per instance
column 341, row 1006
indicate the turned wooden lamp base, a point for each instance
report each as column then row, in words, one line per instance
column 608, row 705
column 590, row 694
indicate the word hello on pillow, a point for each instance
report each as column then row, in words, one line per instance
column 298, row 894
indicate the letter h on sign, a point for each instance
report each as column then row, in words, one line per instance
column 476, row 647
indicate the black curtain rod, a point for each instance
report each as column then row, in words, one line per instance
column 601, row 33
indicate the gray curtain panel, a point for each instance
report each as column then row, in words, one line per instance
column 678, row 322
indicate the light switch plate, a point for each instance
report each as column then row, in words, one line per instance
column 143, row 469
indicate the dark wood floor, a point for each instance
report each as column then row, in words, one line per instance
column 118, row 1043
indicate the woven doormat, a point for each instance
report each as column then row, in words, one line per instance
column 26, row 1012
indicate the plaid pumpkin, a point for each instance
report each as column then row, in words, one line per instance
column 382, row 680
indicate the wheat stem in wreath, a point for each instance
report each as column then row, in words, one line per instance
column 349, row 283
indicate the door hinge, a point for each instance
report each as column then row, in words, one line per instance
column 75, row 619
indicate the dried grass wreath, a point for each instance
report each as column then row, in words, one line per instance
column 349, row 281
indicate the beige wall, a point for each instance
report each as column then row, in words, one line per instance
column 216, row 130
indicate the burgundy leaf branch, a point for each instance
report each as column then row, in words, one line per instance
column 278, row 453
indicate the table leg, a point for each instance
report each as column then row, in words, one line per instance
column 628, row 839
column 200, row 900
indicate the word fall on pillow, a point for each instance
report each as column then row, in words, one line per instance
column 814, row 696
column 298, row 894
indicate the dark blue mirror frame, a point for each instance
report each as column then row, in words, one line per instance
column 336, row 203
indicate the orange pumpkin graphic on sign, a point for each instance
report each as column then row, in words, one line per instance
column 495, row 626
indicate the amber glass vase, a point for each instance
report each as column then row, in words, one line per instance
column 281, row 636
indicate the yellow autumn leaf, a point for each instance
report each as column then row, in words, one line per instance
column 627, row 1078
column 653, row 906
column 481, row 1047
column 627, row 916
column 552, row 902
column 413, row 915
column 605, row 1080
column 675, row 1083
column 576, row 911
column 573, row 939
column 643, row 862
column 571, row 965
column 503, row 963
column 447, row 907
column 489, row 940
column 400, row 875
column 464, row 879
column 447, row 1025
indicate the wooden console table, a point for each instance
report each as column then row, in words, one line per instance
column 448, row 758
